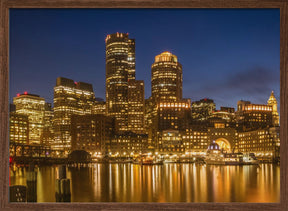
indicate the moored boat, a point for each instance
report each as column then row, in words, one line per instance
column 216, row 156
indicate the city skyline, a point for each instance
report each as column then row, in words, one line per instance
column 254, row 88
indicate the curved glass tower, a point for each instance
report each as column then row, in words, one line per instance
column 166, row 78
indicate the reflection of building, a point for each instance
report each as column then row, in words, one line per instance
column 33, row 106
column 18, row 128
column 275, row 116
column 136, row 106
column 92, row 133
column 166, row 78
column 202, row 109
column 69, row 98
column 120, row 67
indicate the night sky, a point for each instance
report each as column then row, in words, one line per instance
column 227, row 55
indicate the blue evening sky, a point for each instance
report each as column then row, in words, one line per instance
column 227, row 54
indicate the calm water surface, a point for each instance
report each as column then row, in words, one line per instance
column 160, row 183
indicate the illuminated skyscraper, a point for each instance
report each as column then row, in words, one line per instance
column 33, row 106
column 69, row 98
column 120, row 67
column 166, row 78
column 136, row 106
column 273, row 102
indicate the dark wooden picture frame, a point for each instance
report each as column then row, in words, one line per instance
column 5, row 5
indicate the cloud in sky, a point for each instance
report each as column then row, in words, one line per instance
column 254, row 83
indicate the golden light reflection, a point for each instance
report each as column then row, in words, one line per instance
column 163, row 183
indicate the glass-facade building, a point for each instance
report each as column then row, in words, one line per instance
column 120, row 67
column 69, row 98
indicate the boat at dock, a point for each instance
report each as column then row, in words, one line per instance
column 216, row 156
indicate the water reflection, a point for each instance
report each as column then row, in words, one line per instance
column 160, row 183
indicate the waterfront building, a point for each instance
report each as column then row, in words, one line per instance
column 34, row 107
column 170, row 141
column 136, row 106
column 92, row 133
column 69, row 98
column 166, row 78
column 263, row 142
column 202, row 109
column 275, row 116
column 253, row 116
column 128, row 144
column 225, row 137
column 18, row 129
column 171, row 116
column 195, row 140
column 120, row 67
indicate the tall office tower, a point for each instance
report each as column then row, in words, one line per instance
column 166, row 78
column 136, row 106
column 203, row 109
column 131, row 59
column 273, row 102
column 120, row 67
column 47, row 136
column 69, row 98
column 33, row 106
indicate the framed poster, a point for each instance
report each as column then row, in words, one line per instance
column 81, row 128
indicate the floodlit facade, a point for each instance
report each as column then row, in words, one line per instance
column 120, row 67
column 69, row 98
column 166, row 78
column 34, row 107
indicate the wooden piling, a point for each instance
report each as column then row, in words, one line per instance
column 62, row 186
